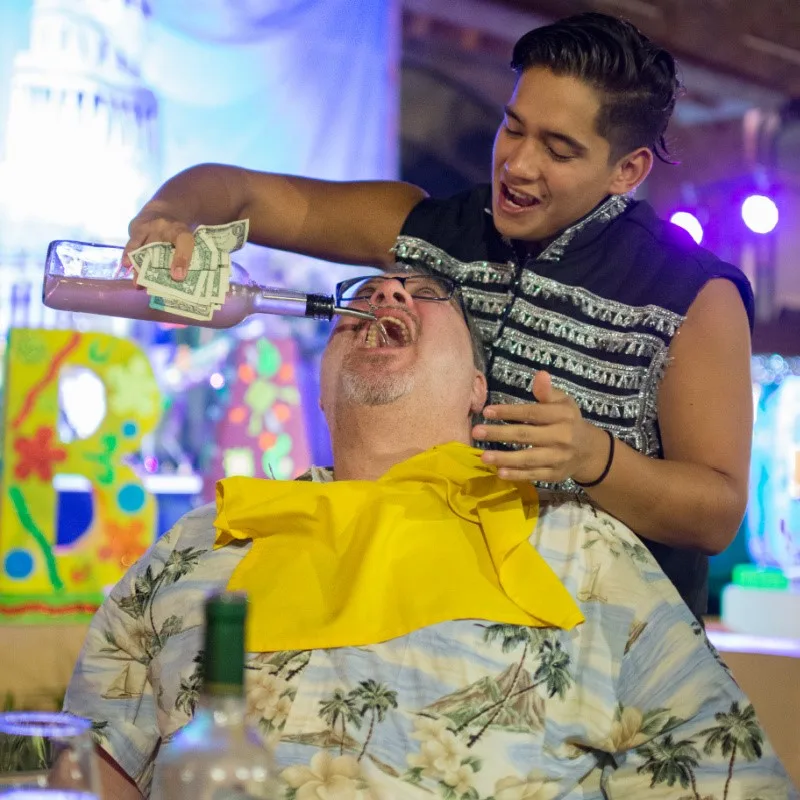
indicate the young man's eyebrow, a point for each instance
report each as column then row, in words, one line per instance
column 573, row 144
column 566, row 139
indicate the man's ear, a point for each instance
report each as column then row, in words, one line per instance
column 631, row 170
column 480, row 393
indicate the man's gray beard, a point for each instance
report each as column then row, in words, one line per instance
column 376, row 389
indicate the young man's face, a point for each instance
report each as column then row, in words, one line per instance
column 550, row 166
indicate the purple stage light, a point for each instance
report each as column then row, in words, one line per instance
column 690, row 223
column 760, row 213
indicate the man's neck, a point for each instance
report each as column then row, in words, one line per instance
column 371, row 440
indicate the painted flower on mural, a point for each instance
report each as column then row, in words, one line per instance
column 37, row 454
column 133, row 389
column 123, row 542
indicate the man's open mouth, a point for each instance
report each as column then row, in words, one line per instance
column 519, row 199
column 389, row 331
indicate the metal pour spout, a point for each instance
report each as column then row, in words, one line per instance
column 289, row 302
column 344, row 311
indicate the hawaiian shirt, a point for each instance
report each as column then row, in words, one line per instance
column 633, row 703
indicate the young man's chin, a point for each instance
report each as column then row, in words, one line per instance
column 524, row 227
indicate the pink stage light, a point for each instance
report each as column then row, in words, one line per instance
column 690, row 223
column 760, row 213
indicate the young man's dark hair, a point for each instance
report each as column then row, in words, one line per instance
column 636, row 78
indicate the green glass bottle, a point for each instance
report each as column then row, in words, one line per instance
column 216, row 756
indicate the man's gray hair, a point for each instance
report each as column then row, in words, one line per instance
column 475, row 335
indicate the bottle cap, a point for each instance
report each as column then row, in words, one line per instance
column 227, row 606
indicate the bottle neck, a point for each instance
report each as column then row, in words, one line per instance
column 223, row 650
column 283, row 302
column 290, row 303
column 226, row 710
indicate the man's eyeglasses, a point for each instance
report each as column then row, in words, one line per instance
column 419, row 287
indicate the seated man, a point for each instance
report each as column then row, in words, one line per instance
column 420, row 627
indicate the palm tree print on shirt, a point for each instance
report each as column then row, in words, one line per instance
column 669, row 761
column 506, row 701
column 606, row 535
column 370, row 699
column 145, row 639
column 338, row 710
column 189, row 690
column 737, row 733
column 375, row 699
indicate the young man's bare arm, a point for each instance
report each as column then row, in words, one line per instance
column 696, row 496
column 348, row 222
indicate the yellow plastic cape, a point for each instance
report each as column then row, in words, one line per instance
column 439, row 537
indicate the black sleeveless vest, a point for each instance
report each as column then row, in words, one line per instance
column 597, row 308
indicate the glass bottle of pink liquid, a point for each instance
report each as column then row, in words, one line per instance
column 88, row 278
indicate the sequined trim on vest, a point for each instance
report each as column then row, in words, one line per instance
column 493, row 303
column 630, row 436
column 412, row 249
column 591, row 401
column 605, row 212
column 560, row 357
column 583, row 334
column 599, row 308
column 488, row 329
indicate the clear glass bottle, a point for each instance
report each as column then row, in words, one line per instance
column 216, row 756
column 87, row 278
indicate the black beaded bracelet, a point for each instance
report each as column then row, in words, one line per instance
column 607, row 469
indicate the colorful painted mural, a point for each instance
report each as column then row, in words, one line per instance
column 76, row 406
column 261, row 432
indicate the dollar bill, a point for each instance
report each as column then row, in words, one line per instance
column 154, row 275
column 218, row 279
column 226, row 238
column 219, row 282
column 208, row 279
column 183, row 308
